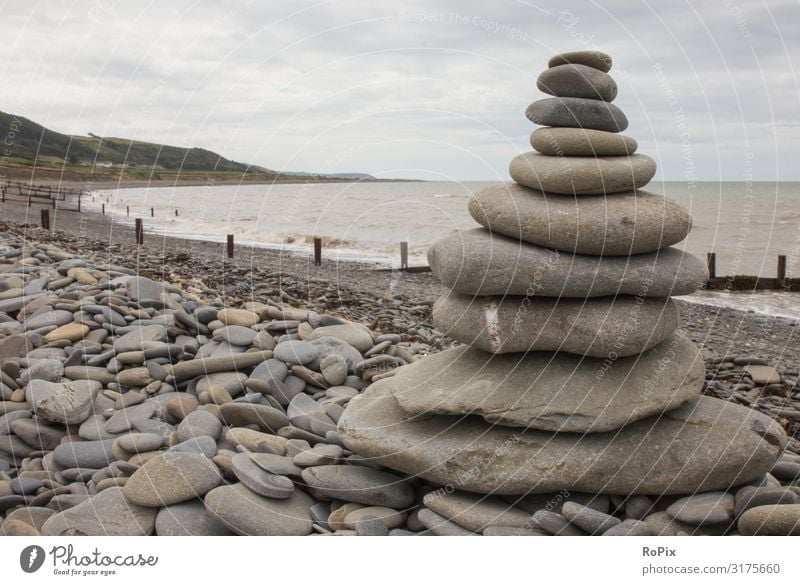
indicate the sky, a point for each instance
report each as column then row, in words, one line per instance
column 430, row 90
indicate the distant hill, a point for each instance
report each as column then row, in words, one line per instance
column 32, row 142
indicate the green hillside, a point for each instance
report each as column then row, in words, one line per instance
column 32, row 143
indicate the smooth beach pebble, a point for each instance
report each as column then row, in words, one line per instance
column 581, row 142
column 479, row 263
column 581, row 175
column 572, row 112
column 596, row 59
column 625, row 224
column 576, row 80
column 594, row 327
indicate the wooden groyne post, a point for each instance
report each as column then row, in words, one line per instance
column 230, row 246
column 139, row 231
column 317, row 251
column 712, row 265
column 403, row 255
column 781, row 274
column 45, row 219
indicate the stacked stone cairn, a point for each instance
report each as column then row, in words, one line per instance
column 573, row 381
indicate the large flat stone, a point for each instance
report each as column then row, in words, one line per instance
column 108, row 513
column 601, row 327
column 552, row 391
column 479, row 263
column 582, row 175
column 249, row 514
column 627, row 223
column 704, row 445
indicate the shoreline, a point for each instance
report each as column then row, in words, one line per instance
column 718, row 330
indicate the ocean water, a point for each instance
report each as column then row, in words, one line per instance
column 747, row 224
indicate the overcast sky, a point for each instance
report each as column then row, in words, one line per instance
column 432, row 90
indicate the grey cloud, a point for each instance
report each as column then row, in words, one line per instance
column 431, row 87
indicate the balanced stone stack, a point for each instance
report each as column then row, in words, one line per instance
column 573, row 375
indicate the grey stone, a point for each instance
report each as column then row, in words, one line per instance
column 360, row 485
column 144, row 290
column 334, row 369
column 55, row 318
column 170, row 478
column 751, row 496
column 68, row 403
column 108, row 513
column 704, row 445
column 249, row 514
column 572, row 112
column 199, row 423
column 601, row 327
column 296, row 352
column 475, row 512
column 555, row 524
column 581, row 142
column 553, row 392
column 576, row 80
column 42, row 369
column 260, row 481
column 91, row 454
column 596, row 59
column 771, row 520
column 138, row 338
column 630, row 527
column 241, row 414
column 441, row 526
column 477, row 262
column 203, row 445
column 277, row 464
column 188, row 519
column 582, row 175
column 38, row 435
column 140, row 442
column 588, row 519
column 236, row 334
column 126, row 419
column 703, row 509
column 625, row 224
column 354, row 334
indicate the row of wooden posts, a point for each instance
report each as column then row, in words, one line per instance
column 229, row 245
column 30, row 192
column 737, row 282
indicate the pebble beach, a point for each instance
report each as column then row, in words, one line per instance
column 165, row 389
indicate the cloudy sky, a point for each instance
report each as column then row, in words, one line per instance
column 432, row 90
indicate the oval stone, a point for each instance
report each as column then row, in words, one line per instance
column 570, row 112
column 477, row 262
column 581, row 142
column 170, row 478
column 576, row 80
column 771, row 520
column 582, row 175
column 596, row 59
column 249, row 514
column 627, row 223
column 553, row 391
column 706, row 444
column 601, row 327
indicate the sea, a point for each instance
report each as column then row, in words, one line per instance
column 747, row 224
